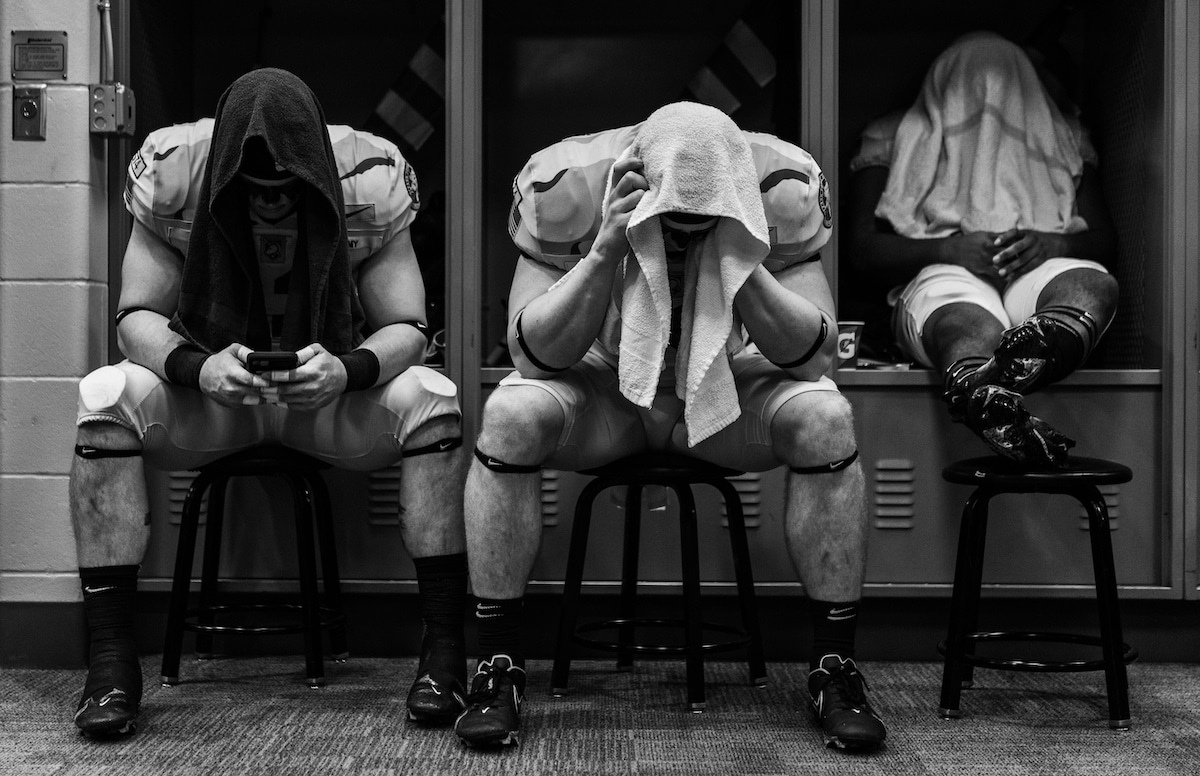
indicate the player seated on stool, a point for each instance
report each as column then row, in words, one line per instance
column 670, row 297
column 280, row 256
column 982, row 203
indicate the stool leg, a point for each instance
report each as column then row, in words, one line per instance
column 964, row 601
column 213, row 528
column 323, row 516
column 572, row 585
column 629, row 572
column 689, row 546
column 975, row 588
column 186, row 548
column 307, row 562
column 745, row 580
column 1115, row 678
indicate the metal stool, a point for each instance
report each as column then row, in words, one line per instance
column 311, row 500
column 993, row 476
column 678, row 473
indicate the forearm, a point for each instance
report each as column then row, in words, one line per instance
column 890, row 259
column 397, row 346
column 145, row 338
column 787, row 326
column 559, row 326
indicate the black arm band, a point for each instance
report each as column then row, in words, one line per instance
column 362, row 369
column 122, row 313
column 811, row 351
column 529, row 354
column 183, row 365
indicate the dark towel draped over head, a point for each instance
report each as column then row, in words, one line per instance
column 220, row 294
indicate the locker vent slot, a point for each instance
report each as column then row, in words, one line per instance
column 892, row 496
column 383, row 496
column 550, row 486
column 749, row 488
column 1112, row 501
column 178, row 484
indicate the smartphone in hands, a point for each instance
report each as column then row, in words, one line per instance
column 271, row 361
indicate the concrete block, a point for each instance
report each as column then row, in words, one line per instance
column 36, row 534
column 53, row 232
column 40, row 586
column 52, row 329
column 80, row 20
column 69, row 154
column 37, row 424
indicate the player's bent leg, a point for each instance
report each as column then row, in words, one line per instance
column 826, row 525
column 110, row 515
column 521, row 428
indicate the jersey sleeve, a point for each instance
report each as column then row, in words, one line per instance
column 379, row 187
column 558, row 196
column 164, row 176
column 795, row 198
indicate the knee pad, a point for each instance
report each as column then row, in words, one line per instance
column 827, row 468
column 92, row 453
column 101, row 388
column 500, row 467
column 440, row 446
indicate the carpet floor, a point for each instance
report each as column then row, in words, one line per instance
column 254, row 715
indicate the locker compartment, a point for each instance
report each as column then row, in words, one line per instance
column 1113, row 50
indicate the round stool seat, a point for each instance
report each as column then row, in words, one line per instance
column 1003, row 474
column 657, row 468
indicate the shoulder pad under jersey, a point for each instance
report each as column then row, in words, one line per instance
column 796, row 200
column 557, row 196
column 164, row 176
column 379, row 186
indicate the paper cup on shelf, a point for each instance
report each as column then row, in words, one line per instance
column 847, row 350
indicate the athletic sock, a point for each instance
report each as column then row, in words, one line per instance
column 108, row 603
column 499, row 622
column 834, row 626
column 442, row 585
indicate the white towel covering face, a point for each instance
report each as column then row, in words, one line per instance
column 984, row 148
column 696, row 161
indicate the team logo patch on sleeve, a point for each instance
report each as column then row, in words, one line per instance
column 410, row 183
column 137, row 165
column 514, row 215
column 823, row 201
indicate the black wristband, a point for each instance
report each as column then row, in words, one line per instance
column 362, row 369
column 811, row 351
column 183, row 365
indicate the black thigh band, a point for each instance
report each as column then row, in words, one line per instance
column 827, row 468
column 529, row 354
column 440, row 446
column 811, row 351
column 500, row 467
column 84, row 451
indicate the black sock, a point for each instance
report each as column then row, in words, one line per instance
column 442, row 584
column 500, row 628
column 834, row 626
column 108, row 593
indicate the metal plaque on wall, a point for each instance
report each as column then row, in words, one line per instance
column 39, row 55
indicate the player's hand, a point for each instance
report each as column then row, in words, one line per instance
column 1020, row 250
column 973, row 251
column 319, row 379
column 225, row 379
column 627, row 191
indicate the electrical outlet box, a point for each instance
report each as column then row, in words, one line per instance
column 29, row 112
column 113, row 109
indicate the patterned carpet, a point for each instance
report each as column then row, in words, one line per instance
column 255, row 716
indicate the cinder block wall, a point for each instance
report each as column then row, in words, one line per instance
column 53, row 297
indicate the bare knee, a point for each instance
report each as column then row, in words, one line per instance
column 813, row 429
column 521, row 424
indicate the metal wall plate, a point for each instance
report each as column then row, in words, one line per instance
column 39, row 55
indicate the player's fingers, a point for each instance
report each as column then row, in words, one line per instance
column 303, row 355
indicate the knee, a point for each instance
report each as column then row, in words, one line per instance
column 520, row 421
column 107, row 435
column 817, row 430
